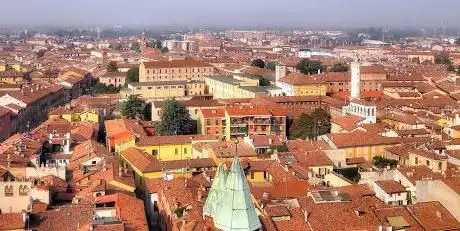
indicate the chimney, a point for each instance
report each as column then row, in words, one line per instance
column 120, row 171
column 125, row 170
column 319, row 71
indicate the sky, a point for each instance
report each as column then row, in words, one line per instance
column 234, row 13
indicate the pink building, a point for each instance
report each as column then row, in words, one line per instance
column 114, row 78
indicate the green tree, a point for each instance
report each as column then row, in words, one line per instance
column 135, row 46
column 175, row 119
column 263, row 81
column 112, row 66
column 339, row 67
column 258, row 63
column 164, row 50
column 383, row 162
column 451, row 68
column 133, row 108
column 442, row 58
column 309, row 67
column 311, row 125
column 271, row 66
column 133, row 75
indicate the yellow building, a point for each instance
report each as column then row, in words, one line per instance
column 171, row 147
column 229, row 87
column 435, row 162
column 454, row 132
column 174, row 89
column 71, row 72
column 421, row 57
column 165, row 89
column 175, row 70
column 295, row 84
column 11, row 76
column 146, row 166
column 402, row 121
column 73, row 115
column 367, row 145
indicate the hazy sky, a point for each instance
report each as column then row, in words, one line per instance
column 234, row 13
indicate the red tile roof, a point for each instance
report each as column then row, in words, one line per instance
column 433, row 216
column 12, row 221
column 390, row 186
column 301, row 79
column 176, row 64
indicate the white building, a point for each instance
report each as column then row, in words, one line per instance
column 390, row 192
column 357, row 106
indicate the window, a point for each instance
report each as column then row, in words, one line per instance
column 252, row 175
column 427, row 163
column 176, row 151
column 149, row 88
column 439, row 165
column 208, row 122
column 154, row 152
column 8, row 191
column 416, row 160
column 265, row 175
column 93, row 162
column 185, row 150
column 23, row 190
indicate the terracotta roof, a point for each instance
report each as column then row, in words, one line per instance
column 428, row 154
column 354, row 139
column 403, row 118
column 433, row 216
column 348, row 122
column 453, row 183
column 179, row 139
column 256, row 110
column 407, row 132
column 115, row 74
column 301, row 79
column 345, row 95
column 280, row 189
column 265, row 140
column 65, row 218
column 129, row 209
column 390, row 186
column 212, row 113
column 398, row 218
column 192, row 103
column 176, row 64
column 12, row 221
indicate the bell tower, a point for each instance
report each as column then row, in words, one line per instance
column 355, row 77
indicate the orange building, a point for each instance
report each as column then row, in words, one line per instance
column 212, row 122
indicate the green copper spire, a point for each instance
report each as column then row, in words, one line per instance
column 216, row 192
column 236, row 212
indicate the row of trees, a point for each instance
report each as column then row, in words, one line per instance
column 305, row 66
column 175, row 118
